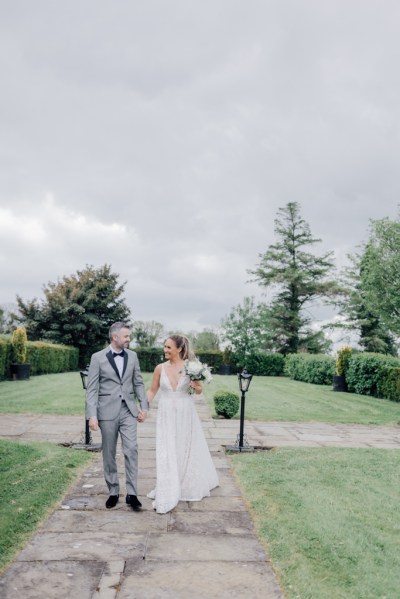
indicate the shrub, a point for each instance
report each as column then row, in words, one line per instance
column 259, row 363
column 342, row 360
column 388, row 385
column 310, row 368
column 5, row 357
column 213, row 359
column 149, row 357
column 265, row 364
column 226, row 403
column 50, row 358
column 365, row 370
column 19, row 341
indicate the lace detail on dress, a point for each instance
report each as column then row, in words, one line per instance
column 185, row 470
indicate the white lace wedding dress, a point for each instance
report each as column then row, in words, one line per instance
column 185, row 470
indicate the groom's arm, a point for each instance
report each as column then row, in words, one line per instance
column 92, row 388
column 138, row 385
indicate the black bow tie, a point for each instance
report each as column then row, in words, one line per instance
column 118, row 354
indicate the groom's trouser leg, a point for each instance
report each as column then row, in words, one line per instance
column 128, row 432
column 109, row 436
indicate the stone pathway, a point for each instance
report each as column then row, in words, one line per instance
column 201, row 550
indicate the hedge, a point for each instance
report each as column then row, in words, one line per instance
column 5, row 357
column 49, row 358
column 266, row 364
column 388, row 386
column 310, row 368
column 149, row 358
column 44, row 358
column 366, row 372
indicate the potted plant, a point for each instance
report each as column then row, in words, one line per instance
column 20, row 370
column 342, row 363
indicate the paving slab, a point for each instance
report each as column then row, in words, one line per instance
column 151, row 579
column 51, row 579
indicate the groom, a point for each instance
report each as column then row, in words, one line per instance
column 114, row 378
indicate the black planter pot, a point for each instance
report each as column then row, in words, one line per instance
column 224, row 369
column 339, row 383
column 20, row 372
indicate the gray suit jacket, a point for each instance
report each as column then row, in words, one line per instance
column 105, row 390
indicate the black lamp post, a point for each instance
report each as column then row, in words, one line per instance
column 88, row 436
column 244, row 384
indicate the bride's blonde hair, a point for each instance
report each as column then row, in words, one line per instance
column 183, row 344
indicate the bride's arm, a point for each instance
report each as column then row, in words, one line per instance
column 155, row 384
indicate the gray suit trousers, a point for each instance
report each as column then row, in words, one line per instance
column 126, row 425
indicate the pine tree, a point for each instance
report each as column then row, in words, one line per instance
column 297, row 277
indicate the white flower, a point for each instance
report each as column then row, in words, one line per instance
column 197, row 371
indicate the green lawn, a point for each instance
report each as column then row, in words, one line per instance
column 268, row 399
column 328, row 518
column 281, row 399
column 33, row 477
column 46, row 394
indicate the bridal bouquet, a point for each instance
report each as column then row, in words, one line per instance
column 197, row 371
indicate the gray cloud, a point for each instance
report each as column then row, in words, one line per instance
column 163, row 137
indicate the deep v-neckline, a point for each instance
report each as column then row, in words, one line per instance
column 169, row 381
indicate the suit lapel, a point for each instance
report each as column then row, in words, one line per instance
column 112, row 362
column 125, row 363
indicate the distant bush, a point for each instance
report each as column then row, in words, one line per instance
column 213, row 358
column 388, row 385
column 5, row 357
column 50, row 358
column 342, row 361
column 19, row 341
column 365, row 372
column 226, row 403
column 44, row 358
column 310, row 368
column 149, row 357
column 259, row 363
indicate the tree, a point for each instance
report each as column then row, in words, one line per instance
column 206, row 340
column 147, row 333
column 78, row 310
column 299, row 278
column 246, row 328
column 381, row 280
column 361, row 315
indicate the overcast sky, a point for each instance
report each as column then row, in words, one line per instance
column 161, row 137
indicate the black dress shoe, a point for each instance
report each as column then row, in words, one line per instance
column 133, row 501
column 112, row 501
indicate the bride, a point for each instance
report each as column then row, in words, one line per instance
column 185, row 470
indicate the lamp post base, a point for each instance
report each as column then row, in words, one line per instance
column 241, row 447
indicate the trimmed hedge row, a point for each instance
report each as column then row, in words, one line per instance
column 366, row 374
column 310, row 368
column 259, row 363
column 49, row 358
column 388, row 385
column 44, row 358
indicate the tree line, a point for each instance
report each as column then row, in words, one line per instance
column 79, row 308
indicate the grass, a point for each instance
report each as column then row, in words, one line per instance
column 281, row 399
column 33, row 477
column 269, row 399
column 328, row 519
column 61, row 394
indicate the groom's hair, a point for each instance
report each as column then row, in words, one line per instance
column 116, row 327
